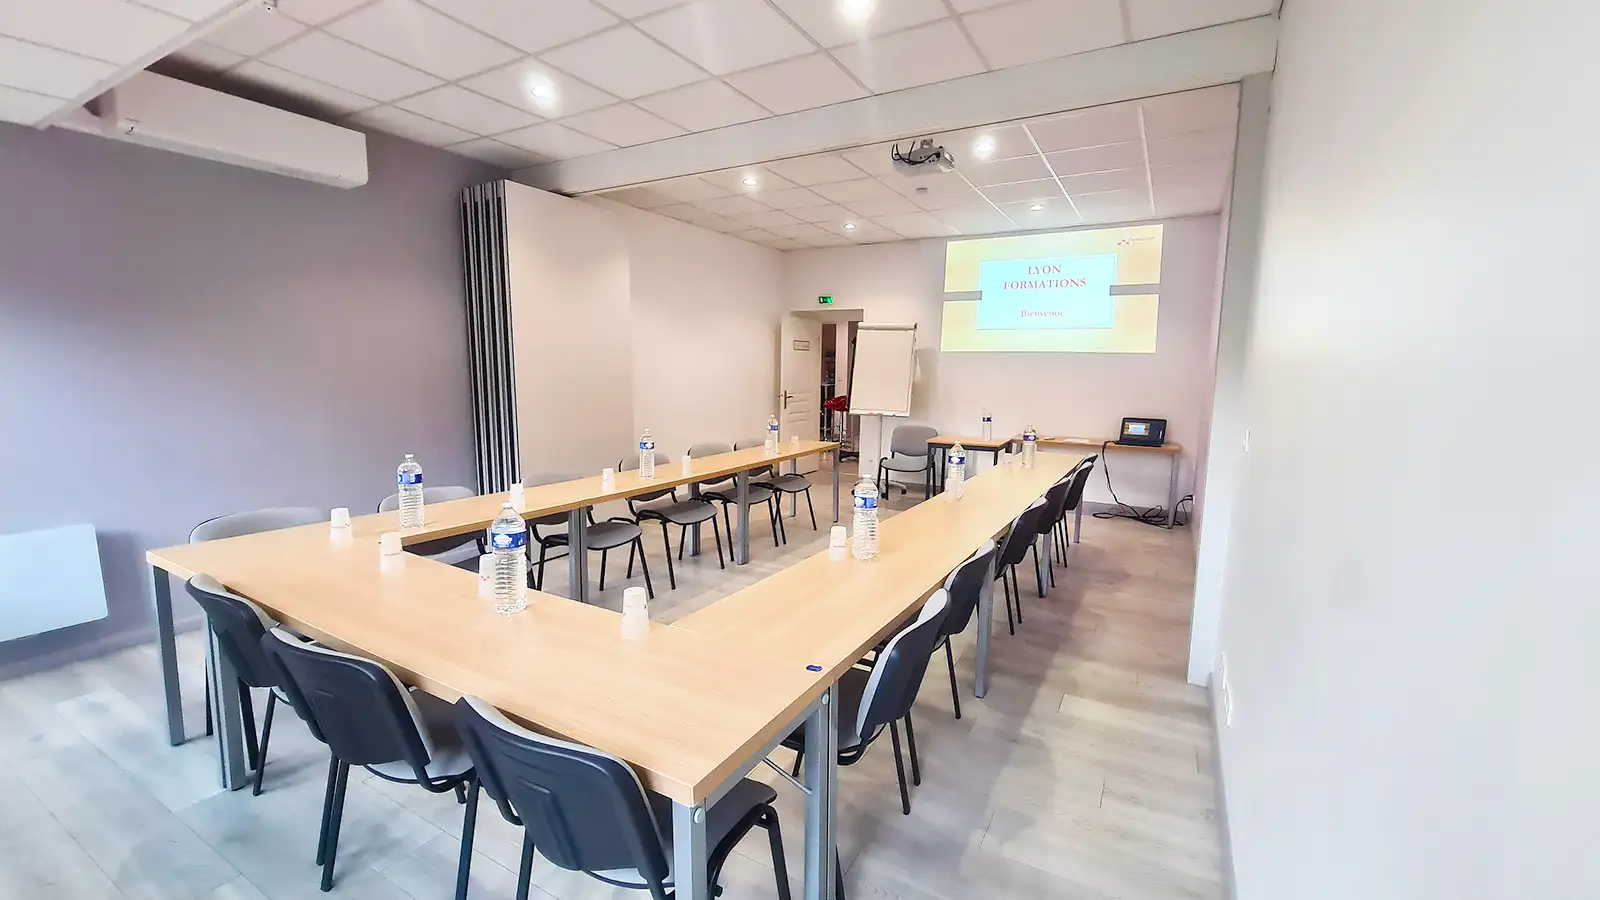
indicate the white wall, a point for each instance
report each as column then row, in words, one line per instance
column 1412, row 662
column 1058, row 393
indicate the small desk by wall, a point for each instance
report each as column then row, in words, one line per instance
column 1173, row 451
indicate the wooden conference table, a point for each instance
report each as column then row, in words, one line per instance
column 692, row 706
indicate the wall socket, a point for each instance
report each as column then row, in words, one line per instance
column 1225, row 691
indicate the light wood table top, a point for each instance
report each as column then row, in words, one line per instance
column 971, row 441
column 1095, row 443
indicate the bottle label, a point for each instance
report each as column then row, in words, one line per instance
column 987, row 419
column 405, row 480
column 1030, row 438
column 866, row 503
column 647, row 445
column 958, row 460
column 508, row 540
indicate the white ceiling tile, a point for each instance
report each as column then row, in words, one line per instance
column 1088, row 128
column 915, row 225
column 633, row 9
column 554, row 141
column 873, row 160
column 315, row 12
column 923, row 55
column 207, row 57
column 785, row 244
column 1050, row 214
column 1203, row 110
column 470, row 111
column 828, row 239
column 254, row 30
column 623, row 124
column 1111, row 180
column 1211, row 175
column 731, row 206
column 826, row 213
column 644, row 198
column 42, row 70
column 411, row 126
column 308, row 90
column 1097, row 159
column 867, row 232
column 496, row 153
column 624, row 62
column 1192, row 147
column 800, row 232
column 966, row 6
column 513, row 84
column 896, row 206
column 1118, row 200
column 722, row 224
column 987, row 220
column 724, row 36
column 820, row 169
column 689, row 189
column 768, row 219
column 1151, row 18
column 703, row 106
column 682, row 211
column 795, row 84
column 927, row 182
column 1027, row 32
column 114, row 32
column 988, row 144
column 860, row 189
column 754, row 235
column 193, row 10
column 24, row 107
column 419, row 36
column 791, row 198
column 1118, row 216
column 1186, row 205
column 1043, row 189
column 822, row 20
column 1023, row 168
column 966, row 198
column 733, row 180
column 332, row 61
column 530, row 25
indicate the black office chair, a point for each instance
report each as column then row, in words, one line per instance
column 870, row 699
column 604, row 536
column 1013, row 549
column 965, row 586
column 726, row 492
column 793, row 483
column 238, row 626
column 1055, row 503
column 586, row 811
column 451, row 550
column 367, row 718
column 681, row 513
column 1075, row 497
column 908, row 452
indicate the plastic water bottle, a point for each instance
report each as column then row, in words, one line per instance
column 772, row 435
column 988, row 426
column 955, row 481
column 409, row 480
column 647, row 455
column 508, row 543
column 864, row 530
column 1030, row 447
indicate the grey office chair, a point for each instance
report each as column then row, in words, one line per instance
column 682, row 513
column 604, row 536
column 252, row 521
column 908, row 452
column 779, row 483
column 725, row 492
column 451, row 550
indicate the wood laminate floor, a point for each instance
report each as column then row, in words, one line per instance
column 1086, row 773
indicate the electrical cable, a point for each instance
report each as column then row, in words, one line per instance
column 1151, row 515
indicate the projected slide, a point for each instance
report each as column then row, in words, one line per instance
column 1090, row 291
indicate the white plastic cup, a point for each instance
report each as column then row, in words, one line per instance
column 838, row 542
column 794, row 440
column 486, row 575
column 340, row 517
column 608, row 478
column 518, row 497
column 389, row 544
column 687, row 462
column 635, row 612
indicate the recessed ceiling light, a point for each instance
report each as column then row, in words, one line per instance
column 984, row 147
column 1037, row 207
column 857, row 10
column 751, row 181
column 849, row 226
column 543, row 94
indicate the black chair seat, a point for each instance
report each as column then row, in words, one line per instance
column 787, row 484
column 602, row 536
column 449, row 757
column 757, row 494
column 687, row 512
column 852, row 687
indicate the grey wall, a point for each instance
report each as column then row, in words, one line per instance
column 181, row 339
column 1410, row 614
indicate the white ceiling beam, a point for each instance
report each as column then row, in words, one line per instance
column 1193, row 59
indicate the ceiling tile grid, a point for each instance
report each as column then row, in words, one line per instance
column 1127, row 162
column 661, row 67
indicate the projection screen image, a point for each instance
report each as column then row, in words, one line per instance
column 1092, row 291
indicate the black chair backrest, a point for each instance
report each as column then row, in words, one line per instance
column 751, row 444
column 711, row 448
column 966, row 585
column 354, row 705
column 584, row 809
column 1023, row 531
column 1055, row 503
column 897, row 673
column 630, row 463
column 1079, row 481
column 238, row 626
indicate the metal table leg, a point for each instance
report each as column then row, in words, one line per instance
column 577, row 554
column 1172, row 493
column 229, row 721
column 980, row 686
column 694, row 530
column 167, row 645
column 794, row 499
column 741, row 553
column 836, row 462
column 689, row 852
column 822, row 777
column 1077, row 523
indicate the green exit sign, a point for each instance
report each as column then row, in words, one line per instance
column 825, row 299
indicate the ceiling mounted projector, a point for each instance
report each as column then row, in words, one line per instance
column 924, row 158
